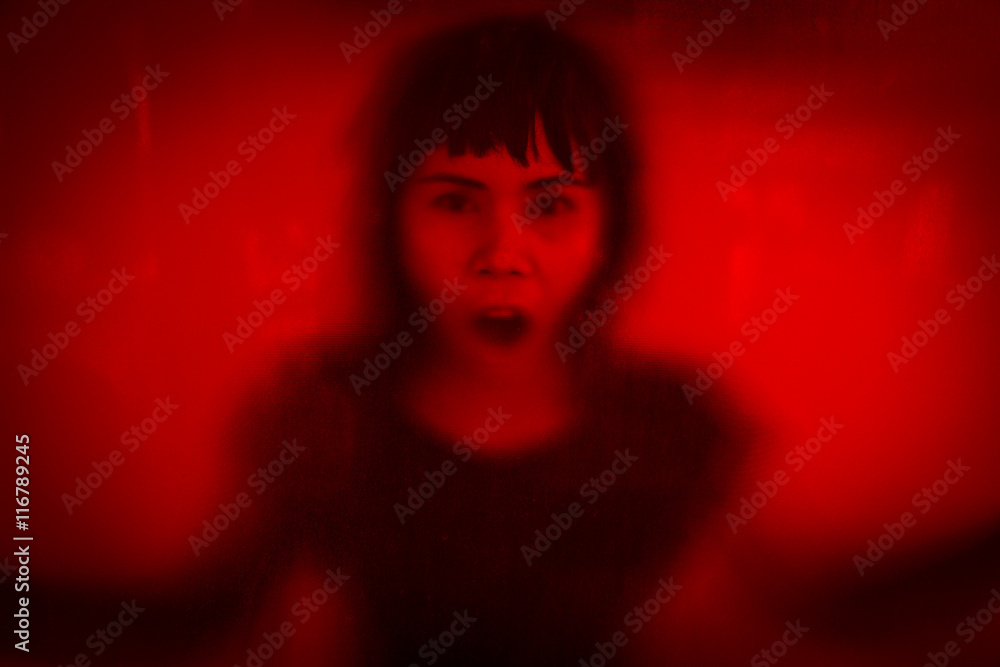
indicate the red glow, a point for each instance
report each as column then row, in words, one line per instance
column 791, row 227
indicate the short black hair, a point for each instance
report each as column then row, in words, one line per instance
column 543, row 74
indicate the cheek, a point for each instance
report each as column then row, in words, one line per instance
column 428, row 252
column 575, row 256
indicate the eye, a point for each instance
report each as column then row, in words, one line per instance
column 551, row 206
column 454, row 202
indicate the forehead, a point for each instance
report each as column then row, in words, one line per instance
column 497, row 169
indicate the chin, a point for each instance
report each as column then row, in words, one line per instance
column 501, row 346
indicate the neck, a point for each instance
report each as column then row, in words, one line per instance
column 454, row 393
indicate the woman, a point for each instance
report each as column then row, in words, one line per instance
column 501, row 486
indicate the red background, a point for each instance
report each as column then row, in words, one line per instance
column 162, row 336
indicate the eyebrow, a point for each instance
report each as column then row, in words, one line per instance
column 453, row 178
column 479, row 185
column 553, row 180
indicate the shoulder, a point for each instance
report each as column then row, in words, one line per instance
column 698, row 443
column 298, row 415
column 658, row 388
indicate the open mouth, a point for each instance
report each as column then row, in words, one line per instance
column 502, row 325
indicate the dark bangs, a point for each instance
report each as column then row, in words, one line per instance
column 541, row 73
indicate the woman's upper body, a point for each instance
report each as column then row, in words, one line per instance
column 547, row 544
column 461, row 463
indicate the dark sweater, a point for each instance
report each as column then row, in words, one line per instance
column 437, row 534
column 482, row 557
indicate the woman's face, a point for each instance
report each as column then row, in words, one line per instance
column 520, row 244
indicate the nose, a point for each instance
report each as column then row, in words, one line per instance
column 503, row 250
